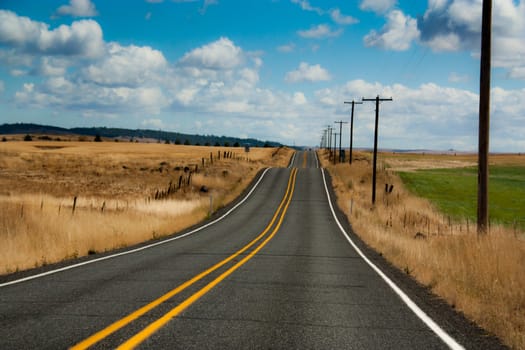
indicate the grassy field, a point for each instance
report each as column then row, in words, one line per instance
column 480, row 276
column 62, row 200
column 454, row 192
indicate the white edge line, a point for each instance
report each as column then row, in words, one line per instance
column 316, row 160
column 141, row 248
column 444, row 336
column 292, row 160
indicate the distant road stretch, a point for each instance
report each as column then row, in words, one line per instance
column 277, row 272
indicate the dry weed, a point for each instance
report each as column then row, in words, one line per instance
column 114, row 185
column 480, row 276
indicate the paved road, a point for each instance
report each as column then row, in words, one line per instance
column 276, row 273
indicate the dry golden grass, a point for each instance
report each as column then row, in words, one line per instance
column 115, row 185
column 480, row 276
column 416, row 161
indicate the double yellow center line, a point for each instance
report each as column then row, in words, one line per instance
column 160, row 322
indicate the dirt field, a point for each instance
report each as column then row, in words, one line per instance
column 68, row 199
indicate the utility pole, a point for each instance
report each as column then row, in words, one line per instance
column 335, row 144
column 377, row 99
column 484, row 118
column 340, row 137
column 352, row 127
column 329, row 142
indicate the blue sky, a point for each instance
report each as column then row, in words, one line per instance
column 276, row 69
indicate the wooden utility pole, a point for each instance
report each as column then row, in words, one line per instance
column 329, row 142
column 340, row 137
column 352, row 127
column 484, row 118
column 377, row 99
column 335, row 144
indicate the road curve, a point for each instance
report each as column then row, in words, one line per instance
column 277, row 272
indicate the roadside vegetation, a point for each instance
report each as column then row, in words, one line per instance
column 454, row 192
column 63, row 200
column 434, row 239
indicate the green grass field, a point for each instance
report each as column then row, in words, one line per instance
column 454, row 192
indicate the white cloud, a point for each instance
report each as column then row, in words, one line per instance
column 305, row 5
column 126, row 66
column 398, row 33
column 320, row 31
column 207, row 3
column 517, row 73
column 299, row 98
column 286, row 48
column 341, row 19
column 50, row 66
column 456, row 25
column 457, row 78
column 219, row 81
column 307, row 72
column 445, row 42
column 221, row 54
column 335, row 14
column 81, row 38
column 18, row 72
column 62, row 94
column 153, row 123
column 78, row 8
column 378, row 6
column 417, row 118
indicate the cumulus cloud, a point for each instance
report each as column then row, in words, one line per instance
column 52, row 66
column 81, row 38
column 456, row 25
column 320, row 31
column 220, row 81
column 60, row 93
column 335, row 14
column 398, row 33
column 305, row 5
column 417, row 118
column 341, row 19
column 126, row 66
column 221, row 54
column 299, row 98
column 307, row 72
column 378, row 6
column 78, row 8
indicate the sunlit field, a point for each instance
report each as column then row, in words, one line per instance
column 63, row 200
column 481, row 276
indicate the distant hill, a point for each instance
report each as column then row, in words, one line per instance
column 138, row 134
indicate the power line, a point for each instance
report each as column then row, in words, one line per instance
column 377, row 99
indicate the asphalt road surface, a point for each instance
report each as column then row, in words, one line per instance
column 277, row 272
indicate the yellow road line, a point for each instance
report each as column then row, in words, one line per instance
column 159, row 323
column 304, row 159
column 95, row 338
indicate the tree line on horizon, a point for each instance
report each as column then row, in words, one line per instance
column 135, row 135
